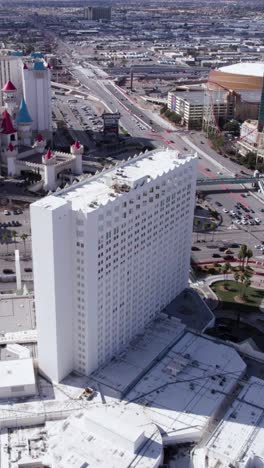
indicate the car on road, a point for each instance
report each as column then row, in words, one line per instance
column 216, row 255
column 218, row 203
column 257, row 220
column 258, row 247
column 207, row 169
column 219, row 173
column 195, row 249
column 6, row 213
column 225, row 210
column 202, row 142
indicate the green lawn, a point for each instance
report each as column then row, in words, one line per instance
column 253, row 297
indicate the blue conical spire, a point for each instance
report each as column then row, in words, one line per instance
column 23, row 115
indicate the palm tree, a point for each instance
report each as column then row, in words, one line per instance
column 6, row 239
column 225, row 269
column 242, row 254
column 236, row 276
column 242, row 280
column 24, row 237
column 248, row 272
column 14, row 236
column 246, row 284
column 249, row 254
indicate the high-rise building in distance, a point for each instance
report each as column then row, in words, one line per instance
column 97, row 13
column 109, row 254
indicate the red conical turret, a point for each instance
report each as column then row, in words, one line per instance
column 76, row 144
column 48, row 155
column 9, row 86
column 7, row 126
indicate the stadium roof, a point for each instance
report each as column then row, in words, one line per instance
column 248, row 69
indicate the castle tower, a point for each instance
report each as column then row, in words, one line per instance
column 77, row 151
column 8, row 134
column 40, row 144
column 49, row 162
column 37, row 94
column 11, row 156
column 24, row 122
column 10, row 98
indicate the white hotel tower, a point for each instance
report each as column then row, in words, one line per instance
column 109, row 254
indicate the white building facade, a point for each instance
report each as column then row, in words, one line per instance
column 37, row 94
column 109, row 254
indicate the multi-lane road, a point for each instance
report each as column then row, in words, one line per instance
column 141, row 122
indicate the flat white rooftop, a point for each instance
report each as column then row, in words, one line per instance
column 245, row 68
column 239, row 437
column 142, row 353
column 16, row 313
column 106, row 435
column 16, row 372
column 102, row 188
column 169, row 395
column 186, row 388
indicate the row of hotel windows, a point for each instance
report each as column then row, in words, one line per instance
column 120, row 258
column 143, row 277
column 152, row 222
column 116, row 333
column 113, row 332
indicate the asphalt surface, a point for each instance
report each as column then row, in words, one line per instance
column 143, row 123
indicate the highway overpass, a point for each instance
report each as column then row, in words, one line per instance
column 228, row 180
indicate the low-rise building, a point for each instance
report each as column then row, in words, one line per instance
column 17, row 378
column 238, row 440
column 190, row 105
column 251, row 140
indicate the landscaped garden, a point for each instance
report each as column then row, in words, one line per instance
column 237, row 293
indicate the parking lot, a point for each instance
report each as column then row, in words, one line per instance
column 15, row 234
